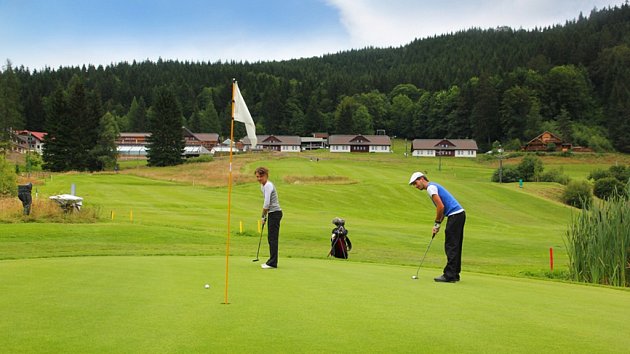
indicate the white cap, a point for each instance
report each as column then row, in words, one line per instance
column 415, row 176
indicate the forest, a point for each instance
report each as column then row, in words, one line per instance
column 502, row 84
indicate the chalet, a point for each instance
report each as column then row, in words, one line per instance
column 545, row 141
column 27, row 140
column 281, row 143
column 207, row 140
column 444, row 147
column 360, row 143
column 135, row 144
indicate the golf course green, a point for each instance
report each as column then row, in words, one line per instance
column 134, row 281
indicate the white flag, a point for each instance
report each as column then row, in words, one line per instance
column 241, row 114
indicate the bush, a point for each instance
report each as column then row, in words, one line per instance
column 555, row 175
column 620, row 172
column 599, row 174
column 510, row 174
column 530, row 168
column 578, row 194
column 606, row 188
column 8, row 178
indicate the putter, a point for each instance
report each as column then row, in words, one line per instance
column 415, row 277
column 262, row 227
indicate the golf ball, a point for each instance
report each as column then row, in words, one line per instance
column 414, row 277
column 207, row 286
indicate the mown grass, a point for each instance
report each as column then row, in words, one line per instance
column 134, row 282
column 159, row 304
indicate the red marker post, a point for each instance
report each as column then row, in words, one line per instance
column 551, row 258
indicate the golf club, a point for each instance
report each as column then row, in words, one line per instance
column 262, row 227
column 415, row 277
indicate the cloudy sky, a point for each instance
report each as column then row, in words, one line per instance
column 52, row 33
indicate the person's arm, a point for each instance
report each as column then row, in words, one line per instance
column 439, row 212
column 266, row 201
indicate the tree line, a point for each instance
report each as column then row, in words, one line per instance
column 490, row 85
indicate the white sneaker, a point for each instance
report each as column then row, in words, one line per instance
column 266, row 266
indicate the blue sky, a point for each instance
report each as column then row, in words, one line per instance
column 52, row 33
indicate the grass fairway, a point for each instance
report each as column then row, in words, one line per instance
column 133, row 281
column 159, row 304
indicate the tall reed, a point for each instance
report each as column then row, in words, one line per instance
column 598, row 242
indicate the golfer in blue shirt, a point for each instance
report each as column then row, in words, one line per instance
column 446, row 206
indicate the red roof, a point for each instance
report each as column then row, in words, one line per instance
column 38, row 135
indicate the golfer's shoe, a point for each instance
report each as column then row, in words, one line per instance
column 266, row 266
column 443, row 279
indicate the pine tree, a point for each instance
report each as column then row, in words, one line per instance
column 105, row 152
column 166, row 143
column 55, row 141
column 137, row 115
column 10, row 106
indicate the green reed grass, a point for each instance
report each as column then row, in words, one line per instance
column 598, row 243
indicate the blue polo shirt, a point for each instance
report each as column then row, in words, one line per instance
column 451, row 205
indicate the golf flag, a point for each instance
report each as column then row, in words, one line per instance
column 241, row 114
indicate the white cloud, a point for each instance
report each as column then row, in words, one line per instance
column 397, row 22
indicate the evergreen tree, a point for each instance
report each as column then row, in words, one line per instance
column 344, row 116
column 485, row 114
column 58, row 138
column 314, row 119
column 105, row 152
column 166, row 143
column 209, row 120
column 10, row 104
column 84, row 112
column 515, row 108
column 137, row 115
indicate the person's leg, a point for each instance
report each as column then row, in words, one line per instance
column 273, row 234
column 453, row 238
column 459, row 227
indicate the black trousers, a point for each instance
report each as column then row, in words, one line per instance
column 453, row 242
column 273, row 233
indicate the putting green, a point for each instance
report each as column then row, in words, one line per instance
column 159, row 304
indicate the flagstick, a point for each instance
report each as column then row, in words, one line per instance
column 227, row 248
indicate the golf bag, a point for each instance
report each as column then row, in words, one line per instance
column 24, row 194
column 339, row 241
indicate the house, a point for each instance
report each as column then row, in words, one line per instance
column 444, row 147
column 360, row 143
column 312, row 143
column 281, row 143
column 544, row 141
column 207, row 140
column 29, row 141
column 135, row 144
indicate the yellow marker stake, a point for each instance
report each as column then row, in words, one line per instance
column 113, row 215
column 241, row 226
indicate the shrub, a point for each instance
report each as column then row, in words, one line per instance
column 8, row 178
column 555, row 175
column 530, row 168
column 620, row 172
column 510, row 174
column 606, row 188
column 598, row 174
column 578, row 194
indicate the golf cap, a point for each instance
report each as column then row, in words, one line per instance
column 415, row 176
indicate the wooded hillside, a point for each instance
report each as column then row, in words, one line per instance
column 491, row 85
